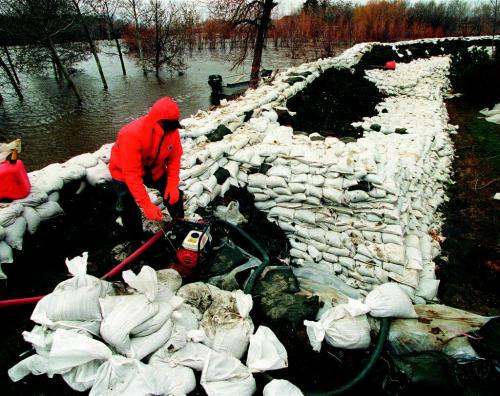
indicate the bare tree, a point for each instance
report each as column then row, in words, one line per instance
column 12, row 80
column 107, row 9
column 168, row 22
column 42, row 23
column 251, row 19
column 495, row 5
column 76, row 4
column 135, row 9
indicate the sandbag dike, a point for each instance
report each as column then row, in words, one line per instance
column 356, row 214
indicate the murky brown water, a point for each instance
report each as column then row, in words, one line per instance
column 53, row 128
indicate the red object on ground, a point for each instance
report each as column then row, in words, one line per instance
column 391, row 65
column 187, row 258
column 113, row 272
column 14, row 181
column 183, row 271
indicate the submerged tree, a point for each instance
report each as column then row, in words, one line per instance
column 77, row 5
column 43, row 25
column 107, row 9
column 135, row 9
column 168, row 24
column 251, row 19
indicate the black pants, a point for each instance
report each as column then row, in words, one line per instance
column 129, row 210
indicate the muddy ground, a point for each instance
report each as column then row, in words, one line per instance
column 469, row 271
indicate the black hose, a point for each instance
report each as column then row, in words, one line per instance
column 250, row 284
column 385, row 324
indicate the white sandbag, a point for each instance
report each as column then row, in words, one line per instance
column 281, row 171
column 185, row 319
column 53, row 196
column 9, row 213
column 281, row 212
column 427, row 288
column 281, row 388
column 177, row 380
column 356, row 196
column 266, row 352
column 192, row 355
column 49, row 210
column 224, row 375
column 6, row 254
column 76, row 299
column 33, row 199
column 120, row 376
column 46, row 181
column 72, row 171
column 98, row 174
column 305, row 216
column 388, row 300
column 233, row 168
column 32, row 219
column 339, row 329
column 210, row 183
column 276, row 181
column 14, row 233
column 140, row 347
column 257, row 180
column 333, row 195
column 86, row 160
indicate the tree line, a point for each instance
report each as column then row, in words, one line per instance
column 52, row 35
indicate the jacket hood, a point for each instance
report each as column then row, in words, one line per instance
column 163, row 109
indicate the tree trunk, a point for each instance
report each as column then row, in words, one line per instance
column 119, row 48
column 11, row 64
column 65, row 73
column 139, row 42
column 11, row 79
column 259, row 42
column 54, row 67
column 157, row 43
column 91, row 44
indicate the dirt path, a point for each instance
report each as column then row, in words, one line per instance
column 471, row 273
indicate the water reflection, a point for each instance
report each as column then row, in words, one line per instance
column 54, row 129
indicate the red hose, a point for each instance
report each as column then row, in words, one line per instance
column 114, row 271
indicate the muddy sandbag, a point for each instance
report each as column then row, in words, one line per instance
column 278, row 289
column 434, row 328
column 6, row 254
column 426, row 372
column 9, row 213
column 14, row 234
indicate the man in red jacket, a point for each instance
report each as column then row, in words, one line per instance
column 148, row 152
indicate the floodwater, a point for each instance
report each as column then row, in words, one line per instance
column 53, row 128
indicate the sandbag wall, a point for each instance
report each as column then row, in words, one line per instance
column 356, row 214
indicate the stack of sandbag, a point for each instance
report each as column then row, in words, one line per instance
column 361, row 212
column 149, row 338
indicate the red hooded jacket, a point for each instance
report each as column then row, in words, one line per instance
column 137, row 145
